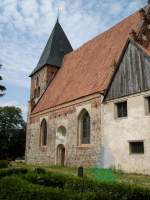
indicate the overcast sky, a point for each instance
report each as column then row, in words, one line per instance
column 25, row 26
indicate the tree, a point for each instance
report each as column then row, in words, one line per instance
column 12, row 132
column 2, row 88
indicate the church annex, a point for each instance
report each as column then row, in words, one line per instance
column 91, row 106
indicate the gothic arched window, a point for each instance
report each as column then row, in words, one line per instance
column 37, row 88
column 43, row 139
column 35, row 93
column 38, row 91
column 37, row 81
column 84, row 127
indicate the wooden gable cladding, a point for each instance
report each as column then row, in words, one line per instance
column 132, row 74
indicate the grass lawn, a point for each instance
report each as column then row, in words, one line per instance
column 106, row 175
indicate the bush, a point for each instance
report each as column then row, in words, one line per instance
column 39, row 170
column 101, row 190
column 59, row 180
column 62, row 186
column 14, row 188
column 48, row 179
column 3, row 163
column 11, row 171
column 17, row 170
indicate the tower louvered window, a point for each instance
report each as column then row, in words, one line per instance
column 37, row 89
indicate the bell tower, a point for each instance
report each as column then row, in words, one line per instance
column 50, row 62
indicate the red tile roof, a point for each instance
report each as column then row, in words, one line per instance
column 88, row 69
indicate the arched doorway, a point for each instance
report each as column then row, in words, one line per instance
column 61, row 154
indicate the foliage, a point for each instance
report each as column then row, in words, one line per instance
column 12, row 171
column 12, row 132
column 2, row 88
column 40, row 170
column 14, row 188
column 3, row 163
column 102, row 190
column 17, row 171
column 33, row 185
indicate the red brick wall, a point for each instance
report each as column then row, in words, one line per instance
column 46, row 74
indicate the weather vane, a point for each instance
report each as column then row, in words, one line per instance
column 60, row 9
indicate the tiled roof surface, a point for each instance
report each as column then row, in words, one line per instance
column 88, row 69
column 57, row 46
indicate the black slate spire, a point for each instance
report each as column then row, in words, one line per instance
column 57, row 46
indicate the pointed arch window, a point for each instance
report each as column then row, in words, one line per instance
column 35, row 93
column 43, row 140
column 37, row 88
column 37, row 81
column 84, row 127
column 38, row 91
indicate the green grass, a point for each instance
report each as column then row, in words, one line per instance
column 140, row 180
column 106, row 175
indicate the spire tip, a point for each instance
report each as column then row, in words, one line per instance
column 60, row 9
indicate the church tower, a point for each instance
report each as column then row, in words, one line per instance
column 50, row 62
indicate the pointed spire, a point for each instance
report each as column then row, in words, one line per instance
column 57, row 46
column 59, row 12
column 57, row 21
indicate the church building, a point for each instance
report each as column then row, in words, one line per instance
column 90, row 107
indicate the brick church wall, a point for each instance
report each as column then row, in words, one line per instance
column 75, row 154
column 45, row 75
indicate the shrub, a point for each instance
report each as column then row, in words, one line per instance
column 40, row 170
column 48, row 179
column 3, row 163
column 17, row 170
column 101, row 190
column 14, row 188
column 62, row 186
column 11, row 171
column 59, row 180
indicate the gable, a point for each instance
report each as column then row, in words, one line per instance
column 132, row 75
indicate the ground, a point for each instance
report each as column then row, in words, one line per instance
column 107, row 175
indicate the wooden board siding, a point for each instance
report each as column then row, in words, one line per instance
column 132, row 75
